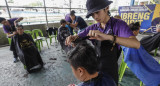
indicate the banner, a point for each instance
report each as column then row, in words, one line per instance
column 147, row 15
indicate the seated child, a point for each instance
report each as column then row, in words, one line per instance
column 149, row 42
column 85, row 65
column 63, row 33
column 26, row 50
column 135, row 27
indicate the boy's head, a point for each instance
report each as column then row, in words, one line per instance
column 83, row 60
column 63, row 22
column 3, row 21
column 20, row 29
column 135, row 27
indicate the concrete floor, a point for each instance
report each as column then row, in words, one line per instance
column 55, row 73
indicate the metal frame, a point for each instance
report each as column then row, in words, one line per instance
column 70, row 4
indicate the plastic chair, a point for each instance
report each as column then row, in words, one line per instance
column 90, row 23
column 122, row 68
column 56, row 37
column 141, row 83
column 52, row 36
column 36, row 41
column 41, row 38
column 28, row 32
column 155, row 53
column 9, row 41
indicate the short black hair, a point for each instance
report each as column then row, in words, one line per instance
column 2, row 19
column 20, row 26
column 84, row 55
column 72, row 13
column 134, row 26
column 62, row 21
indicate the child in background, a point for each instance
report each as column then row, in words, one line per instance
column 63, row 33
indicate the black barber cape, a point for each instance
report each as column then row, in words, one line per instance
column 27, row 52
column 151, row 42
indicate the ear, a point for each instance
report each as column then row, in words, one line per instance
column 81, row 71
column 106, row 9
column 134, row 32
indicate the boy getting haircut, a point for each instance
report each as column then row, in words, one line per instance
column 85, row 66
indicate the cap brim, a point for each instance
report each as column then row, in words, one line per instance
column 89, row 13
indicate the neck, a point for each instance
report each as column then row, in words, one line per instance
column 103, row 24
column 8, row 22
column 89, row 77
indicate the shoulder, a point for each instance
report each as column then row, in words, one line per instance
column 67, row 15
column 13, row 19
column 79, row 18
column 119, row 22
column 93, row 27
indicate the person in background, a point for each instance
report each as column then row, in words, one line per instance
column 85, row 66
column 63, row 33
column 149, row 42
column 10, row 30
column 69, row 20
column 78, row 22
column 135, row 27
column 26, row 50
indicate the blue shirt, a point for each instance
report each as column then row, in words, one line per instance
column 81, row 23
column 70, row 29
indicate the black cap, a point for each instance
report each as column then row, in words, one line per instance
column 96, row 5
column 2, row 19
column 72, row 12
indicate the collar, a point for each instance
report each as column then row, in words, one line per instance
column 94, row 79
column 108, row 23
